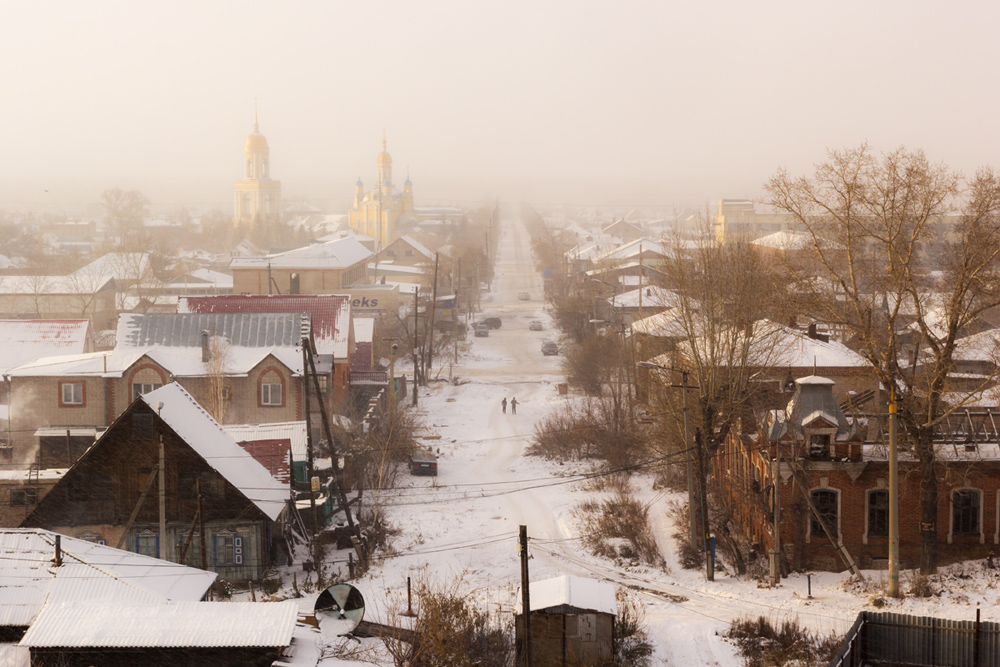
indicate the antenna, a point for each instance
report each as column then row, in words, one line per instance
column 339, row 610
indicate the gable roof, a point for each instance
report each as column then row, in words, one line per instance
column 29, row 579
column 24, row 341
column 169, row 625
column 210, row 441
column 419, row 247
column 338, row 254
column 293, row 432
column 329, row 314
column 571, row 591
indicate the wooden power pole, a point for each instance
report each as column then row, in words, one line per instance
column 525, row 597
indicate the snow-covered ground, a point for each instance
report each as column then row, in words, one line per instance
column 464, row 523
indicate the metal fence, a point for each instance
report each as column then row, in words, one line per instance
column 883, row 638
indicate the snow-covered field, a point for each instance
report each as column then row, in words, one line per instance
column 464, row 523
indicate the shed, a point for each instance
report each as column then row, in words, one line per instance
column 191, row 633
column 572, row 622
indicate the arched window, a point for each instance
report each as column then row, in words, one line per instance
column 271, row 389
column 249, row 168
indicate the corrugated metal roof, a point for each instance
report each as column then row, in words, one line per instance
column 184, row 329
column 294, row 432
column 24, row 341
column 169, row 625
column 337, row 254
column 573, row 591
column 330, row 314
column 90, row 571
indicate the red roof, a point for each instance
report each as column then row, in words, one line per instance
column 331, row 313
column 273, row 455
column 25, row 341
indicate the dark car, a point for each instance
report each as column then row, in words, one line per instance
column 549, row 348
column 490, row 322
column 423, row 463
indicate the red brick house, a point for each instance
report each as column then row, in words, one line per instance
column 843, row 466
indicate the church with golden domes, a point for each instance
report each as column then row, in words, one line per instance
column 257, row 197
column 375, row 213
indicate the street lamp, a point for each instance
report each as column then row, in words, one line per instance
column 693, row 528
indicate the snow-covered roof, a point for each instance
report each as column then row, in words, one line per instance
column 652, row 296
column 338, row 254
column 572, row 591
column 203, row 434
column 419, row 247
column 119, row 266
column 90, row 571
column 400, row 269
column 169, row 625
column 364, row 329
column 24, row 341
column 634, row 248
column 983, row 346
column 205, row 276
column 667, row 324
column 329, row 314
column 789, row 240
column 71, row 284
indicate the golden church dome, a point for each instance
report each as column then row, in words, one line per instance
column 255, row 141
column 384, row 158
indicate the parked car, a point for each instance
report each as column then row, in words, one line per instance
column 535, row 325
column 423, row 463
column 447, row 326
column 490, row 322
column 549, row 348
column 482, row 331
column 524, row 296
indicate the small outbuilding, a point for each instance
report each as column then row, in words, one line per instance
column 572, row 622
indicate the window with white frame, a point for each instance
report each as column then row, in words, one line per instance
column 965, row 512
column 140, row 388
column 72, row 393
column 270, row 393
column 228, row 548
column 147, row 543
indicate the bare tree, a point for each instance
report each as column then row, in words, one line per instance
column 124, row 212
column 724, row 295
column 900, row 249
column 217, row 368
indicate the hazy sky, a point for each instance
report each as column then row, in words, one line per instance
column 652, row 103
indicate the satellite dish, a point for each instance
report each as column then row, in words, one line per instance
column 339, row 609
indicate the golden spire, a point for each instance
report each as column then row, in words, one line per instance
column 255, row 125
column 383, row 138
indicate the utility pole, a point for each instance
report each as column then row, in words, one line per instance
column 776, row 499
column 162, row 483
column 893, row 500
column 416, row 318
column 692, row 504
column 309, row 438
column 429, row 342
column 454, row 312
column 392, row 378
column 201, row 526
column 522, row 547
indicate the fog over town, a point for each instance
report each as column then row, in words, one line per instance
column 521, row 334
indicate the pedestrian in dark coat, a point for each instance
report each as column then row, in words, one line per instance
column 513, row 406
column 503, row 404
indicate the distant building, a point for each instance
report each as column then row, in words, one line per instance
column 740, row 218
column 257, row 197
column 376, row 212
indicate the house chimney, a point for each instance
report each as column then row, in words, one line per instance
column 204, row 346
column 812, row 331
column 58, row 559
column 649, row 291
column 792, row 324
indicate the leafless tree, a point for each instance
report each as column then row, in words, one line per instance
column 879, row 227
column 217, row 368
column 124, row 212
column 724, row 297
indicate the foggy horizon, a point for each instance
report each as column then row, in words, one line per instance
column 641, row 104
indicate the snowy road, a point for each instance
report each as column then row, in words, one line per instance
column 465, row 522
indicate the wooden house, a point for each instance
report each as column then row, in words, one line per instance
column 572, row 622
column 111, row 492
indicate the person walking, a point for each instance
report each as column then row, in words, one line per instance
column 513, row 406
column 503, row 404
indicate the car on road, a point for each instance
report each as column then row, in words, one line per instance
column 447, row 326
column 549, row 348
column 423, row 463
column 535, row 325
column 524, row 296
column 482, row 331
column 490, row 322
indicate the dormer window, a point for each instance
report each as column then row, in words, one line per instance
column 819, row 446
